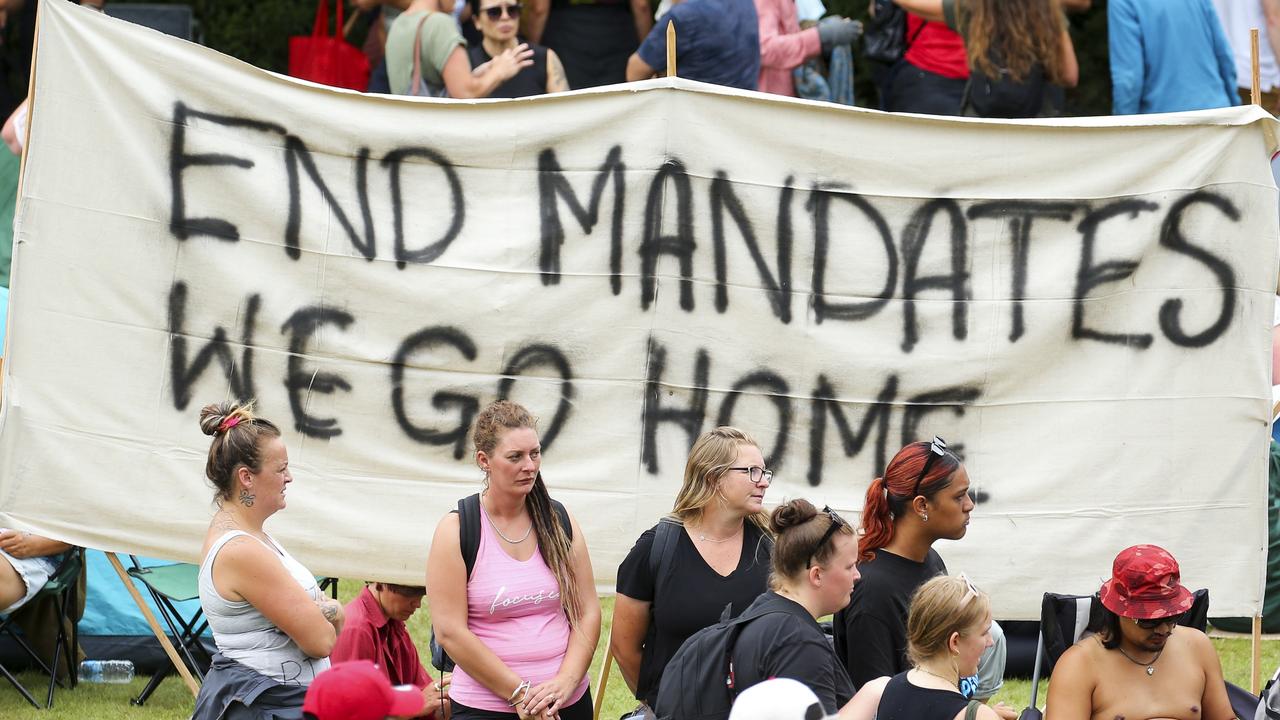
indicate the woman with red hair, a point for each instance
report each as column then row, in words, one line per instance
column 922, row 497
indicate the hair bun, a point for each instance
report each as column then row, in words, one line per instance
column 212, row 416
column 790, row 514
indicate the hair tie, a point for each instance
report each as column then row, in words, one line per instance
column 229, row 423
column 886, row 493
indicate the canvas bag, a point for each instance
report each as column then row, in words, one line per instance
column 328, row 59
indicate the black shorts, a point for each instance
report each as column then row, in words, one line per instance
column 581, row 710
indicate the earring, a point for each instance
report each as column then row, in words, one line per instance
column 925, row 517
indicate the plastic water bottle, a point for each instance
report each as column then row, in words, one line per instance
column 106, row 671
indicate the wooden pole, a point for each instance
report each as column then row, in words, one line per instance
column 1255, row 91
column 1255, row 671
column 155, row 626
column 671, row 48
column 603, row 680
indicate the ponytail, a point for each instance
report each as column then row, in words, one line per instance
column 877, row 521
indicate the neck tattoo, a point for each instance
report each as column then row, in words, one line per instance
column 1151, row 666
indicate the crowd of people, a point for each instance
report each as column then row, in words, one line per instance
column 982, row 58
column 515, row 611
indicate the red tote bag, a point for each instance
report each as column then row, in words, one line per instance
column 331, row 60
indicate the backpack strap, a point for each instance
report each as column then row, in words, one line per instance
column 735, row 629
column 971, row 710
column 469, row 530
column 666, row 535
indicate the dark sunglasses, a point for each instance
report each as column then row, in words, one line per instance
column 1154, row 623
column 495, row 12
column 836, row 523
column 937, row 449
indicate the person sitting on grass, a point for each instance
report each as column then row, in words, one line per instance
column 375, row 630
column 1141, row 663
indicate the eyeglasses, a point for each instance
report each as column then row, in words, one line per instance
column 495, row 12
column 937, row 448
column 756, row 473
column 836, row 523
column 1153, row 623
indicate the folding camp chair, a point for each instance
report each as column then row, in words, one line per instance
column 1065, row 618
column 62, row 585
column 168, row 584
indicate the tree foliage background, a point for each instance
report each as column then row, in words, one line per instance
column 258, row 31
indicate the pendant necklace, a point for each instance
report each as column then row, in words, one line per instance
column 708, row 538
column 1151, row 666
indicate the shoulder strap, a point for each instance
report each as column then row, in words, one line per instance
column 666, row 535
column 415, row 81
column 971, row 711
column 469, row 530
column 734, row 630
column 563, row 514
column 914, row 35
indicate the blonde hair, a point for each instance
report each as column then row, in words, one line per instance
column 553, row 537
column 709, row 460
column 942, row 606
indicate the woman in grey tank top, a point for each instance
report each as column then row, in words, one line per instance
column 273, row 627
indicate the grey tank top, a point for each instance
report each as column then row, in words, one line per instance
column 245, row 635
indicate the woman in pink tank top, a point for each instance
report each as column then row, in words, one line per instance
column 523, row 627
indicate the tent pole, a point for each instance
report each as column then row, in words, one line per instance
column 1255, row 664
column 155, row 626
column 603, row 680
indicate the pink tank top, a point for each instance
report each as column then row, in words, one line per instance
column 514, row 608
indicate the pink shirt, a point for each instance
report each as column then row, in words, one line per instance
column 514, row 608
column 783, row 45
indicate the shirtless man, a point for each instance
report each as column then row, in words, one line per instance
column 1141, row 665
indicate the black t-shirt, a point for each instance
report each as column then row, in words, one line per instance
column 871, row 633
column 790, row 644
column 529, row 81
column 903, row 701
column 697, row 596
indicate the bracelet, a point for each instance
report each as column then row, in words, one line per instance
column 523, row 686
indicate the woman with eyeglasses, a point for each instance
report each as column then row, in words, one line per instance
column 712, row 551
column 498, row 22
column 922, row 497
column 815, row 567
column 948, row 629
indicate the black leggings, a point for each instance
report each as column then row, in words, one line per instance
column 580, row 710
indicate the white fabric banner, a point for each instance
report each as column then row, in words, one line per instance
column 1081, row 307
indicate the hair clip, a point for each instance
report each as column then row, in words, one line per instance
column 229, row 423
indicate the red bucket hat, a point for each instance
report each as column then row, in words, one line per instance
column 1145, row 584
column 358, row 690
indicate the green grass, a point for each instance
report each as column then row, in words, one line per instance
column 172, row 700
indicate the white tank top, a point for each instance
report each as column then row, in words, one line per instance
column 245, row 635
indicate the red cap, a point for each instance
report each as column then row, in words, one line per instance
column 358, row 690
column 1145, row 584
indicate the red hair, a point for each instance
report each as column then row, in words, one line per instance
column 889, row 496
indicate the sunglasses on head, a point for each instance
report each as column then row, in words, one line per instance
column 495, row 12
column 836, row 523
column 971, row 592
column 1153, row 623
column 937, row 449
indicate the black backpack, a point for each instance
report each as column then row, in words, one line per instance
column 698, row 683
column 1002, row 97
column 469, row 544
column 666, row 535
column 885, row 38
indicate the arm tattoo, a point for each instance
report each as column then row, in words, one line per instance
column 246, row 498
column 555, row 70
column 330, row 610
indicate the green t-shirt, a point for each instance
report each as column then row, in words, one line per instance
column 9, row 164
column 440, row 37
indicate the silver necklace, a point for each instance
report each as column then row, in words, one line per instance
column 708, row 538
column 1151, row 666
column 494, row 525
column 955, row 684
